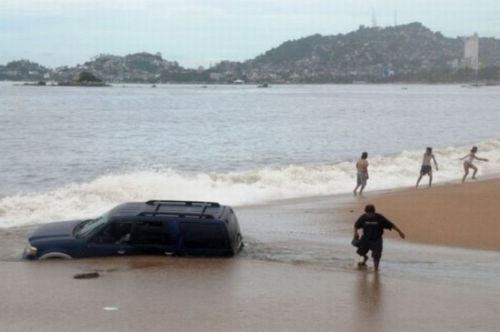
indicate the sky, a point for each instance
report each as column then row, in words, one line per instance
column 203, row 32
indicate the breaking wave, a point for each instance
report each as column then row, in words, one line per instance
column 82, row 200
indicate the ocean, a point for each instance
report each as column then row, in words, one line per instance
column 70, row 152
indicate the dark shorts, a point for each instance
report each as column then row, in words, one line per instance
column 361, row 179
column 426, row 169
column 374, row 246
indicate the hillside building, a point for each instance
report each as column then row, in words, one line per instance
column 471, row 52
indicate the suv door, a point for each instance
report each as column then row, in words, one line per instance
column 112, row 240
column 151, row 238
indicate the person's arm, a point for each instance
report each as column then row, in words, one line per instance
column 435, row 162
column 401, row 234
column 481, row 159
column 464, row 156
column 357, row 226
column 390, row 225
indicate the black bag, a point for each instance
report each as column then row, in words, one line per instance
column 355, row 241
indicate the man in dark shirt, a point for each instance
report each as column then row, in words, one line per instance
column 373, row 225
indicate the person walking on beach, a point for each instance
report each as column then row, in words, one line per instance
column 362, row 174
column 468, row 163
column 426, row 168
column 372, row 225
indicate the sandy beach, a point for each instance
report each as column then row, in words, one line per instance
column 296, row 273
column 464, row 215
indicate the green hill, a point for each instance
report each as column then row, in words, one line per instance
column 404, row 53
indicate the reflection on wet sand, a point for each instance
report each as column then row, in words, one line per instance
column 369, row 293
column 369, row 302
column 232, row 295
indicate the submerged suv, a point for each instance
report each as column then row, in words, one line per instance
column 154, row 228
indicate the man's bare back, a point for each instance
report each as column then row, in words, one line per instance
column 362, row 166
column 362, row 176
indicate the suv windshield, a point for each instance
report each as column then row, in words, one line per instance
column 88, row 226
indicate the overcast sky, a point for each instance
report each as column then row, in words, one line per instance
column 201, row 32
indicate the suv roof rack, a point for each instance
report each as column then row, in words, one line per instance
column 180, row 209
column 186, row 203
column 178, row 215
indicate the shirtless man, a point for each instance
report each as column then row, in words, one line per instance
column 362, row 175
column 469, row 158
column 426, row 166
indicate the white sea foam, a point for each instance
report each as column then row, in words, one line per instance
column 81, row 200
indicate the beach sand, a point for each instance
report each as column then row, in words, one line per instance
column 186, row 294
column 465, row 215
column 296, row 273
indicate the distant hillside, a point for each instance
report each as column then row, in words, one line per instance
column 24, row 70
column 405, row 51
column 408, row 52
column 139, row 67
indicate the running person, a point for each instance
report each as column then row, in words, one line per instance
column 362, row 174
column 469, row 158
column 373, row 225
column 426, row 168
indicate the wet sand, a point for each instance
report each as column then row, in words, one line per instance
column 296, row 273
column 184, row 294
column 465, row 215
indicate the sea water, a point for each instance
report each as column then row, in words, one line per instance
column 69, row 152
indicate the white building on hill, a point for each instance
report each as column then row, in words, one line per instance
column 471, row 52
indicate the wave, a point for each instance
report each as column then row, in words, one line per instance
column 82, row 200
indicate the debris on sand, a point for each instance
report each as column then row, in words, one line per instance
column 86, row 275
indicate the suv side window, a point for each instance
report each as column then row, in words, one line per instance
column 150, row 233
column 202, row 236
column 115, row 232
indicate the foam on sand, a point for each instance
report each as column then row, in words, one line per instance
column 83, row 200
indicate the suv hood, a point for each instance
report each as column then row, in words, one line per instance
column 55, row 229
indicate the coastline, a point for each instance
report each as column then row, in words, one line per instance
column 296, row 273
column 451, row 214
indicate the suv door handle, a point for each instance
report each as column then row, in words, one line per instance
column 121, row 251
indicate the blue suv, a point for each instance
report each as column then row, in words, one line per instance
column 153, row 228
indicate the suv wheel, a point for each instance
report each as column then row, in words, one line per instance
column 55, row 255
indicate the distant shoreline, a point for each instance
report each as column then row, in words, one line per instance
column 111, row 84
column 407, row 53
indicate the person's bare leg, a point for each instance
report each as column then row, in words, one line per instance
column 363, row 263
column 430, row 180
column 466, row 169
column 355, row 191
column 418, row 181
column 376, row 262
column 361, row 190
column 474, row 173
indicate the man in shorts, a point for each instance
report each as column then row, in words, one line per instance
column 426, row 168
column 373, row 225
column 362, row 174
